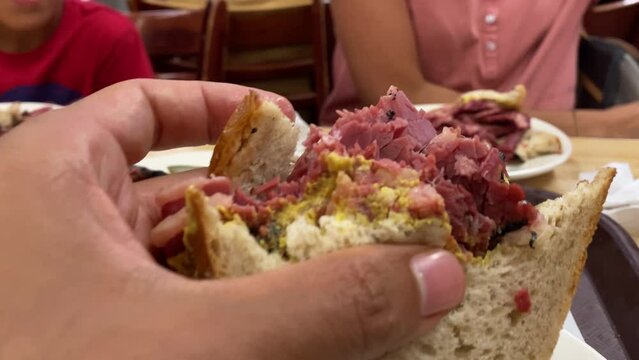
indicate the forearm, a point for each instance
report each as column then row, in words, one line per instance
column 429, row 93
column 385, row 54
column 619, row 121
column 418, row 90
column 564, row 120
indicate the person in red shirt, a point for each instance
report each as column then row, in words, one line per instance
column 59, row 51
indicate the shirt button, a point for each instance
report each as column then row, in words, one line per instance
column 490, row 19
column 491, row 45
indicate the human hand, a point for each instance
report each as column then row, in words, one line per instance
column 77, row 281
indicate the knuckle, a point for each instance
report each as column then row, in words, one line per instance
column 371, row 299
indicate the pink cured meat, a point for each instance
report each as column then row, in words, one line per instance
column 467, row 172
column 460, row 175
column 502, row 128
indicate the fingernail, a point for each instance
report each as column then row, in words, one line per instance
column 440, row 279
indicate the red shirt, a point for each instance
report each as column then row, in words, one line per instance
column 93, row 47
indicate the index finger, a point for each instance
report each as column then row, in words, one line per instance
column 146, row 115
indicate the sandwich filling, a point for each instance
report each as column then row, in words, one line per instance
column 499, row 127
column 380, row 163
column 468, row 173
column 364, row 191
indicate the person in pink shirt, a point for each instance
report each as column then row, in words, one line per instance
column 433, row 50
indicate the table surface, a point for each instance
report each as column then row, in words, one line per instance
column 588, row 154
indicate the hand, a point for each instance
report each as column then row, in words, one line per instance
column 77, row 281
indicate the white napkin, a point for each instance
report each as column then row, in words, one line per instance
column 622, row 203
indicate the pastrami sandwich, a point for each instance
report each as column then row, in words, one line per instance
column 383, row 174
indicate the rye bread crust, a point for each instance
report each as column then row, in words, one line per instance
column 256, row 145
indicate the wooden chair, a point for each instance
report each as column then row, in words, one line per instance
column 142, row 5
column 273, row 49
column 618, row 19
column 608, row 73
column 178, row 41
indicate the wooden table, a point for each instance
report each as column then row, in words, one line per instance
column 588, row 154
column 233, row 5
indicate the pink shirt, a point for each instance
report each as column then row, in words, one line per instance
column 472, row 44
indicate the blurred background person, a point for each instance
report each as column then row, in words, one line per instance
column 59, row 51
column 433, row 50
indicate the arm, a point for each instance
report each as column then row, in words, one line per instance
column 378, row 39
column 565, row 120
column 619, row 122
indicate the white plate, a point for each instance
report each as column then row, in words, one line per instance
column 545, row 163
column 569, row 347
column 304, row 129
column 28, row 106
column 201, row 156
column 570, row 325
column 539, row 165
column 182, row 157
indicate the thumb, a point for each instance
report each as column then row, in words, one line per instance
column 357, row 303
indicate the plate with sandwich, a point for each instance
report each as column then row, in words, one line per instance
column 530, row 145
column 383, row 175
column 570, row 347
column 14, row 113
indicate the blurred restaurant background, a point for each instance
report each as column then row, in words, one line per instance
column 279, row 45
column 286, row 46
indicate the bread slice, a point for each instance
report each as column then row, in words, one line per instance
column 536, row 143
column 513, row 99
column 488, row 324
column 257, row 144
column 10, row 116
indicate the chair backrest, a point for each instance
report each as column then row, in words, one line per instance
column 273, row 44
column 619, row 19
column 141, row 5
column 608, row 73
column 177, row 41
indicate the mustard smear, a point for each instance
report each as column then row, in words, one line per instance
column 339, row 193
